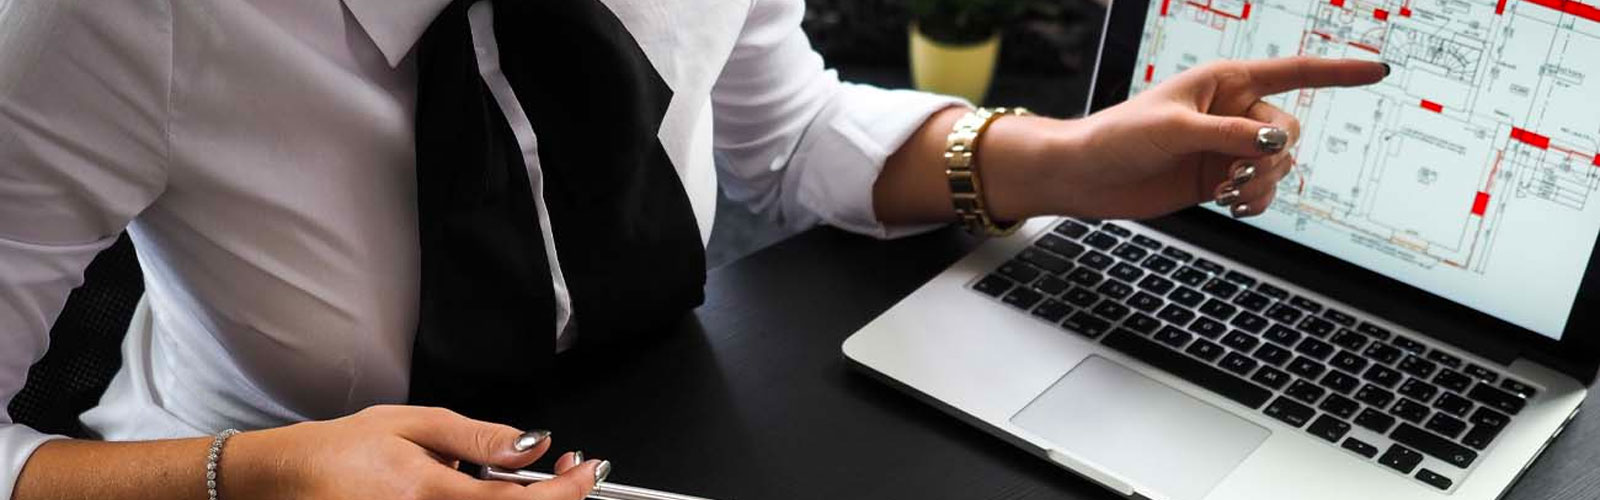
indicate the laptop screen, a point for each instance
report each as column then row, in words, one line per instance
column 1472, row 172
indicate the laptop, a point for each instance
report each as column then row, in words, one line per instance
column 1416, row 316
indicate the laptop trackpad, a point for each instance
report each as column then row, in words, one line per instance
column 1152, row 435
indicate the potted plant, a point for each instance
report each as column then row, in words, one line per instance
column 954, row 44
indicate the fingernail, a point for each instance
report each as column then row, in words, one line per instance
column 529, row 439
column 577, row 457
column 1271, row 139
column 1226, row 195
column 601, row 471
column 1387, row 69
column 1240, row 209
column 1243, row 174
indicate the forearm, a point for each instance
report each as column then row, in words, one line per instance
column 143, row 470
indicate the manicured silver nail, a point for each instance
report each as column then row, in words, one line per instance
column 530, row 439
column 1226, row 195
column 1240, row 209
column 601, row 471
column 1271, row 139
column 1243, row 174
column 577, row 458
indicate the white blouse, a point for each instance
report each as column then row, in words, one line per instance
column 260, row 154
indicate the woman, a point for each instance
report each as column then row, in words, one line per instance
column 278, row 162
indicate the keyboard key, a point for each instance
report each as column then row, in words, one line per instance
column 1116, row 290
column 1146, row 302
column 1272, row 355
column 1086, row 324
column 1408, row 344
column 1081, row 297
column 1126, row 272
column 1060, row 246
column 1418, row 390
column 1071, row 229
column 1177, row 254
column 1339, row 317
column 1045, row 260
column 1314, row 348
column 1110, row 310
column 1191, row 276
column 1100, row 240
column 1409, row 410
column 1340, row 382
column 1209, row 266
column 1052, row 310
column 1348, row 362
column 1482, row 373
column 1240, row 341
column 1218, row 309
column 1306, row 367
column 1205, row 350
column 1249, row 322
column 993, row 285
column 1417, row 367
column 1318, row 327
column 1173, row 337
column 1208, row 328
column 1453, row 380
column 1434, row 446
column 1023, row 298
column 1237, row 363
column 1383, row 353
column 1339, row 406
column 1176, row 314
column 1400, row 458
column 1190, row 369
column 1360, row 447
column 1308, row 305
column 1270, row 377
column 1051, row 285
column 1220, row 288
column 1480, row 436
column 1374, row 420
column 1116, row 230
column 1382, row 375
column 1242, row 279
column 1503, row 401
column 1289, row 412
column 1159, row 265
column 1131, row 252
column 1433, row 479
column 1489, row 418
column 1252, row 301
column 1096, row 260
column 1284, row 314
column 1085, row 276
column 1518, row 388
column 1374, row 396
column 1444, row 358
column 1282, row 335
column 1156, row 284
column 1271, row 291
column 1147, row 242
column 1446, row 425
column 1186, row 296
column 1328, row 428
column 1019, row 272
column 1373, row 331
column 1142, row 324
column 1349, row 340
column 1305, row 391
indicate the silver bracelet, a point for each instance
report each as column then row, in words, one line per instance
column 214, row 458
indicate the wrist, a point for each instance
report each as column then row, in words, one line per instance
column 1021, row 161
column 251, row 467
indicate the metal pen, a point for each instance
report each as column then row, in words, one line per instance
column 604, row 491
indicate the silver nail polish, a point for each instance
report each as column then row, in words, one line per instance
column 601, row 471
column 1240, row 209
column 1226, row 195
column 577, row 458
column 1271, row 139
column 529, row 439
column 1243, row 174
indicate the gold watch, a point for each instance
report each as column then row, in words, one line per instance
column 961, row 168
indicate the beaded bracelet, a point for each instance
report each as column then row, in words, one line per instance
column 214, row 458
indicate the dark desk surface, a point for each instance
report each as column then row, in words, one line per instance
column 751, row 398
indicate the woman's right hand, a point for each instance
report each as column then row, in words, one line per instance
column 393, row 453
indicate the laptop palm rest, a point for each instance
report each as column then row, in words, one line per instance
column 1151, row 435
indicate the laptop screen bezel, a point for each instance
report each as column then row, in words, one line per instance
column 1577, row 353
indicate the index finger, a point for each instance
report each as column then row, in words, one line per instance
column 1275, row 76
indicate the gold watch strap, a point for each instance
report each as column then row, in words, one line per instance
column 961, row 168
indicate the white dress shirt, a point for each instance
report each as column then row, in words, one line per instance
column 260, row 154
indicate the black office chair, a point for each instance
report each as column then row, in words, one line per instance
column 85, row 345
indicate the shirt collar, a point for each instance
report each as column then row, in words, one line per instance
column 395, row 26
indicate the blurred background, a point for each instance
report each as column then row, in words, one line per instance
column 1045, row 57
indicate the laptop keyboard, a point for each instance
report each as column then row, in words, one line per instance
column 1382, row 396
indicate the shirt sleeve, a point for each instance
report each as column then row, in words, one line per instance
column 83, row 107
column 797, row 142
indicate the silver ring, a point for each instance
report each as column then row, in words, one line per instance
column 1271, row 139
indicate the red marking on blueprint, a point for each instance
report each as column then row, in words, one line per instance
column 1246, row 14
column 1380, row 14
column 1166, row 3
column 1324, row 36
column 1530, row 138
column 1365, row 47
column 1582, row 10
column 1480, row 204
column 1597, row 159
column 1336, row 3
column 1149, row 72
column 1553, row 4
column 1432, row 106
column 1208, row 8
column 1500, row 8
column 1406, row 11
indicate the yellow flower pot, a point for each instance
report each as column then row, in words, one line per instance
column 959, row 70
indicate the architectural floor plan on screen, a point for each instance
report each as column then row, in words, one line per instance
column 1472, row 171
